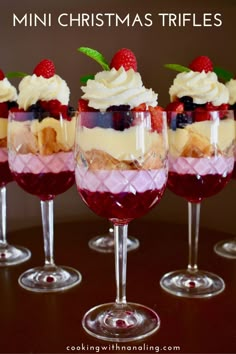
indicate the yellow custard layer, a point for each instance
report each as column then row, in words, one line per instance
column 202, row 135
column 3, row 128
column 130, row 144
column 46, row 137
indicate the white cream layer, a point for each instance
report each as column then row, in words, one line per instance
column 117, row 87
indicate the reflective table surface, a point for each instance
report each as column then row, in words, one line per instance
column 51, row 323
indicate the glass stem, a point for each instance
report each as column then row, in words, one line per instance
column 193, row 235
column 3, row 241
column 48, row 232
column 120, row 232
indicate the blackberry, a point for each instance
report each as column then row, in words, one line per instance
column 122, row 116
column 121, row 107
column 182, row 119
column 12, row 104
column 38, row 111
column 189, row 105
column 70, row 111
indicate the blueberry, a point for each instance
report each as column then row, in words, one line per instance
column 104, row 120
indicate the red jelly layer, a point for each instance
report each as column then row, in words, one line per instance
column 5, row 174
column 45, row 185
column 234, row 171
column 195, row 188
column 122, row 206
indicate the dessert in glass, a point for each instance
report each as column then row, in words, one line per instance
column 227, row 248
column 105, row 243
column 41, row 135
column 121, row 173
column 9, row 254
column 201, row 141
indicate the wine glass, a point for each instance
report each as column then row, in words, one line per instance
column 227, row 248
column 105, row 243
column 9, row 254
column 200, row 164
column 121, row 173
column 42, row 163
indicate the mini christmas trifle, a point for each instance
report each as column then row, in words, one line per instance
column 201, row 160
column 197, row 100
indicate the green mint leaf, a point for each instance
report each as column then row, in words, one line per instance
column 223, row 74
column 84, row 79
column 97, row 56
column 177, row 67
column 13, row 74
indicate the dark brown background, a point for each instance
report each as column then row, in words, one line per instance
column 22, row 48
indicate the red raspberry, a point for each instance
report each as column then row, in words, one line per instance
column 141, row 108
column 210, row 107
column 45, row 68
column 201, row 63
column 201, row 114
column 54, row 106
column 83, row 106
column 2, row 76
column 126, row 58
column 175, row 106
column 157, row 121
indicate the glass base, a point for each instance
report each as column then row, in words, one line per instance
column 49, row 279
column 106, row 243
column 192, row 285
column 123, row 323
column 13, row 255
column 226, row 248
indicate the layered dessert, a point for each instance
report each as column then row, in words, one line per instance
column 231, row 85
column 41, row 134
column 8, row 96
column 201, row 133
column 121, row 149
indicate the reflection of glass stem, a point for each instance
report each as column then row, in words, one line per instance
column 120, row 262
column 3, row 241
column 193, row 235
column 111, row 229
column 47, row 219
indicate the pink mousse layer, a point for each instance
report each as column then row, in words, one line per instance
column 117, row 181
column 202, row 166
column 3, row 154
column 30, row 163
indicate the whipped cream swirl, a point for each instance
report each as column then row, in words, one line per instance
column 201, row 86
column 117, row 87
column 34, row 88
column 7, row 91
column 231, row 85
